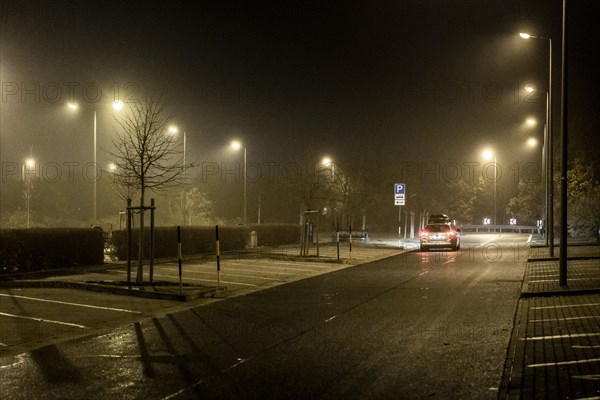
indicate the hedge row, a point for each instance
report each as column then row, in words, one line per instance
column 44, row 248
column 201, row 240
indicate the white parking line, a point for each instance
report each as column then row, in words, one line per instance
column 556, row 364
column 556, row 280
column 565, row 306
column 187, row 278
column 43, row 320
column 69, row 304
column 226, row 272
column 564, row 319
column 566, row 336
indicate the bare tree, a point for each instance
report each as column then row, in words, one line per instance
column 146, row 156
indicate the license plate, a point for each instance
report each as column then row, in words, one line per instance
column 437, row 237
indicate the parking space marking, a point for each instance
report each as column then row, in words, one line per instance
column 566, row 336
column 70, row 304
column 564, row 319
column 187, row 278
column 566, row 306
column 555, row 280
column 256, row 272
column 44, row 320
column 560, row 363
column 236, row 275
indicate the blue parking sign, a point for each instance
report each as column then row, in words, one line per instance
column 399, row 188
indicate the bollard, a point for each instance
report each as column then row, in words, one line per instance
column 253, row 240
column 179, row 257
column 218, row 251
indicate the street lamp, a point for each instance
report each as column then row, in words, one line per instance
column 546, row 169
column 489, row 155
column 75, row 106
column 117, row 105
column 328, row 162
column 237, row 145
column 28, row 165
column 548, row 142
column 174, row 130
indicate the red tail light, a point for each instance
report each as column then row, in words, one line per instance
column 452, row 233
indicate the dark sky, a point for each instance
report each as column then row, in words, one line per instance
column 422, row 81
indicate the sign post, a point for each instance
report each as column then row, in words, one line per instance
column 399, row 200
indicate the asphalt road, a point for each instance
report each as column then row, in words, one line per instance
column 418, row 325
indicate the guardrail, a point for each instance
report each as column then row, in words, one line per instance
column 499, row 228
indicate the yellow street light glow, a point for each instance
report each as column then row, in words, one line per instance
column 326, row 161
column 530, row 88
column 488, row 154
column 173, row 129
column 118, row 105
column 112, row 166
column 30, row 163
column 72, row 105
column 532, row 142
column 525, row 35
column 531, row 121
column 236, row 145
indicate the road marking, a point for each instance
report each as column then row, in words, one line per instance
column 556, row 280
column 329, row 319
column 187, row 278
column 578, row 346
column 529, row 238
column 566, row 306
column 566, row 336
column 254, row 271
column 70, row 304
column 594, row 377
column 556, row 364
column 44, row 320
column 228, row 274
column 488, row 241
column 565, row 319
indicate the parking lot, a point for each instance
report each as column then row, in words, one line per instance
column 32, row 317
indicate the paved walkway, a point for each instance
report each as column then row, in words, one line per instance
column 554, row 352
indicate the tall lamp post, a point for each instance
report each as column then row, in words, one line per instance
column 550, row 201
column 174, row 130
column 488, row 155
column 117, row 105
column 546, row 162
column 28, row 165
column 237, row 145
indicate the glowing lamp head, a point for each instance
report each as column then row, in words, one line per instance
column 173, row 130
column 531, row 121
column 236, row 145
column 488, row 154
column 524, row 35
column 72, row 106
column 532, row 142
column 118, row 105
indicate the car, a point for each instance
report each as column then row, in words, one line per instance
column 439, row 219
column 439, row 236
